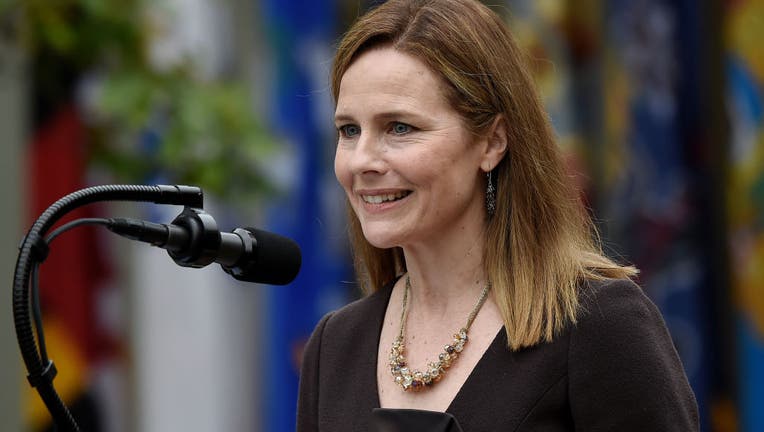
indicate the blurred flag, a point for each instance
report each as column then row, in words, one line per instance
column 745, row 203
column 300, row 34
column 72, row 276
column 653, row 207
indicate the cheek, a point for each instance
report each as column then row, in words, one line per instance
column 341, row 170
column 339, row 165
column 427, row 170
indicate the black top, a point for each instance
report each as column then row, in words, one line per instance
column 616, row 370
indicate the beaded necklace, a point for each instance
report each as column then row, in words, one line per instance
column 416, row 380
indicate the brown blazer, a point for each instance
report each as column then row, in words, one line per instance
column 616, row 370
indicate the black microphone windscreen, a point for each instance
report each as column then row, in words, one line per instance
column 276, row 260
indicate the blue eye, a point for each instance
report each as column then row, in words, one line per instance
column 401, row 128
column 349, row 130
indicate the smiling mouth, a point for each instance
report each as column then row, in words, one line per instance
column 379, row 199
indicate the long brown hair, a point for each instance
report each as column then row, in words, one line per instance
column 540, row 243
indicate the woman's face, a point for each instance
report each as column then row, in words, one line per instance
column 410, row 168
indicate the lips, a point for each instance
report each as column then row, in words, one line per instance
column 379, row 198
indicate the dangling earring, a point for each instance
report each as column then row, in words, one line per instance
column 490, row 196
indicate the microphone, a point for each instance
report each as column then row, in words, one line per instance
column 193, row 240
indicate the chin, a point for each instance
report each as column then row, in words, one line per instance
column 380, row 243
column 380, row 239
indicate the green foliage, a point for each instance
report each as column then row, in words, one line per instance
column 146, row 121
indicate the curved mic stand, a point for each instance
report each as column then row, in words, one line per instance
column 34, row 250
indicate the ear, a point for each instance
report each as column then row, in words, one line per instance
column 496, row 144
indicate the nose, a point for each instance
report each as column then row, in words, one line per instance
column 367, row 155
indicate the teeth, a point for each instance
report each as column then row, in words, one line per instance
column 379, row 199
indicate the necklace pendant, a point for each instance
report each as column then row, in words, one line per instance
column 415, row 380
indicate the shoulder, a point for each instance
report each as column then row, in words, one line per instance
column 361, row 312
column 355, row 321
column 618, row 321
column 615, row 301
column 617, row 315
column 623, row 367
column 345, row 340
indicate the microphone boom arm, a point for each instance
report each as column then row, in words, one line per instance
column 33, row 249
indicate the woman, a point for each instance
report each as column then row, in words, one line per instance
column 488, row 298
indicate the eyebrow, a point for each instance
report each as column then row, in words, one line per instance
column 343, row 118
column 389, row 115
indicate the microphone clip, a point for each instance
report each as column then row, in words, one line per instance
column 203, row 242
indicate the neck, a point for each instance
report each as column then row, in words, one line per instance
column 447, row 273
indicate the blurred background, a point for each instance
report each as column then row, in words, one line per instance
column 659, row 105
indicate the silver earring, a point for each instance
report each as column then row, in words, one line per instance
column 490, row 196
